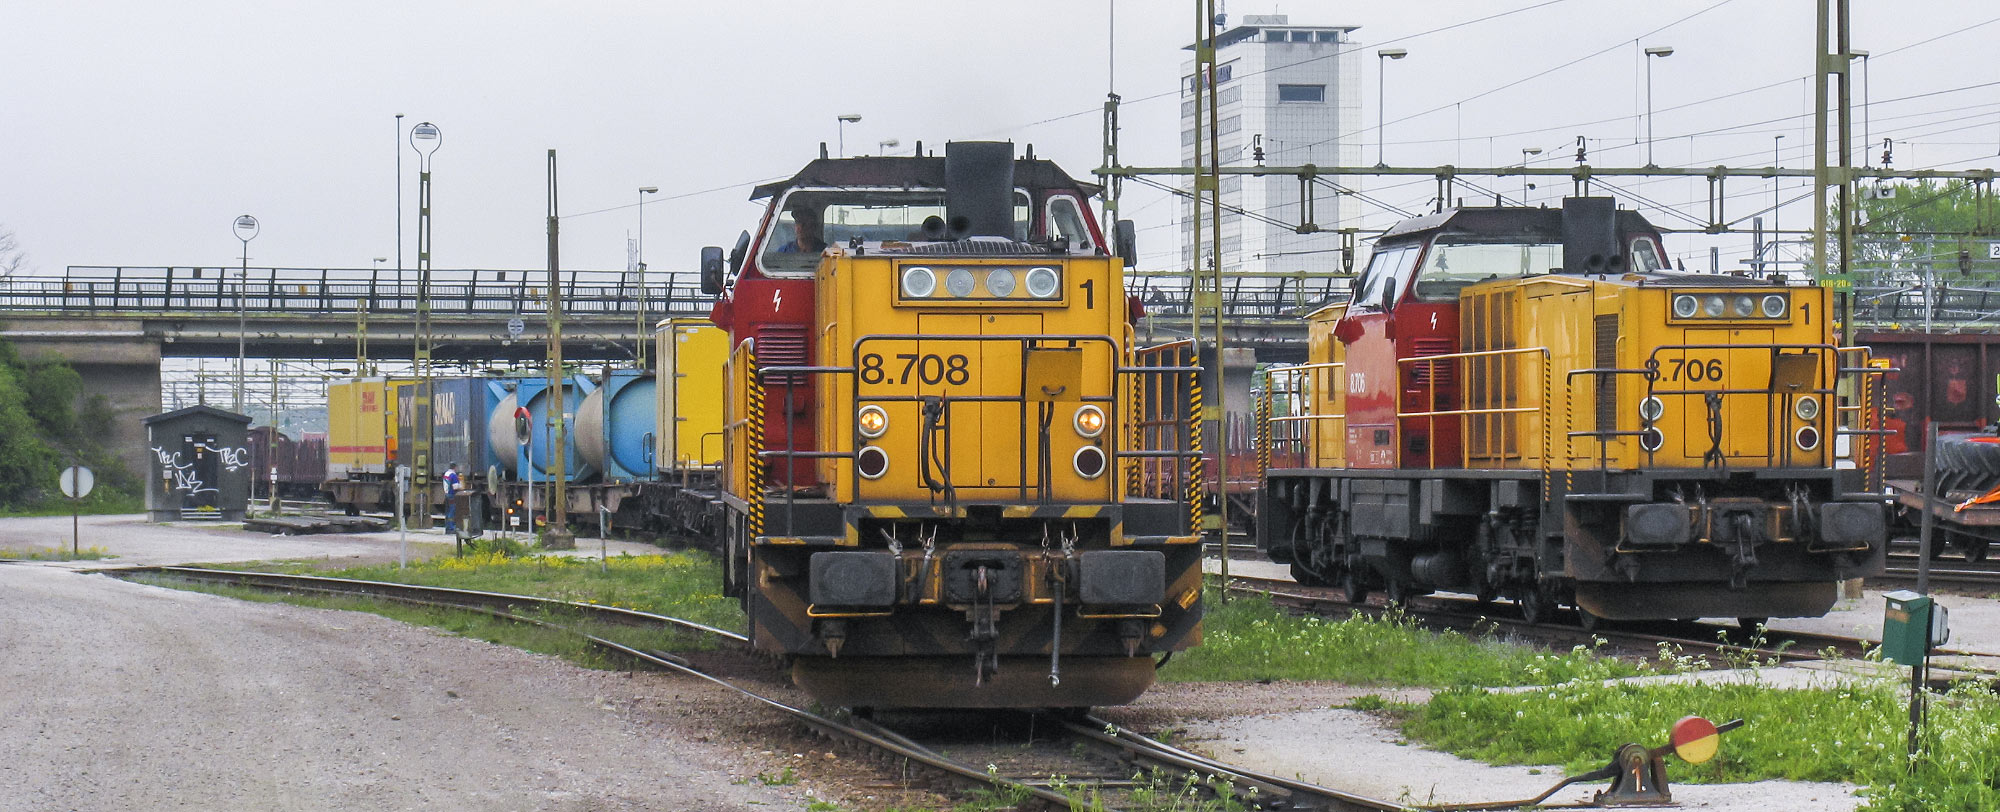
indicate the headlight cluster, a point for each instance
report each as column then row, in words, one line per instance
column 1731, row 306
column 981, row 282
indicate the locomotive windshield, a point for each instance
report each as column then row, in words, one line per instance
column 1450, row 267
column 835, row 216
column 1388, row 270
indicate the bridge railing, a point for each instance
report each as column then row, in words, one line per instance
column 118, row 290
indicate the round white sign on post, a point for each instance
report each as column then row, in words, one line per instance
column 515, row 327
column 76, row 482
column 246, row 228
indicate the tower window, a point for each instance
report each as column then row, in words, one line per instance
column 1302, row 93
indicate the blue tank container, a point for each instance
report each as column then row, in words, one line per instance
column 617, row 426
column 533, row 394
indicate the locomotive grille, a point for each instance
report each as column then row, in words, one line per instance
column 1421, row 374
column 968, row 248
column 1606, row 357
column 782, row 345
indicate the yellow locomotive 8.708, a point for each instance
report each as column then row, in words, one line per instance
column 927, row 486
column 1528, row 402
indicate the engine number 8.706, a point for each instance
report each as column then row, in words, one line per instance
column 904, row 367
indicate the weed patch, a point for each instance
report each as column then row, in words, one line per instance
column 58, row 553
column 1250, row 638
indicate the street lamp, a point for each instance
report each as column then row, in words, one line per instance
column 1526, row 153
column 639, row 345
column 246, row 230
column 883, row 147
column 1381, row 102
column 845, row 119
column 399, row 204
column 1662, row 51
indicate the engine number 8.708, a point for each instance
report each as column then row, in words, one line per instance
column 904, row 367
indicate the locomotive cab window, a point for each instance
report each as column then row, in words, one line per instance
column 835, row 216
column 1388, row 271
column 1066, row 220
column 1451, row 267
column 1646, row 257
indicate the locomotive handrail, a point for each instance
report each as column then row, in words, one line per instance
column 1433, row 413
column 793, row 375
column 1297, row 380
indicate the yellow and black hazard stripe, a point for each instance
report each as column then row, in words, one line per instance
column 755, row 398
column 1195, row 484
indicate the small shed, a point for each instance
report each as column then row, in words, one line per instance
column 199, row 466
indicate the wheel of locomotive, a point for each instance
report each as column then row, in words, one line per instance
column 1353, row 585
column 1398, row 592
column 1588, row 620
column 1535, row 606
column 1975, row 550
column 1752, row 624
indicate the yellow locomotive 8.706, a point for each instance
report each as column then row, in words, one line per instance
column 1529, row 403
column 927, row 481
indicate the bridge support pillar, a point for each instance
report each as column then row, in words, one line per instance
column 116, row 360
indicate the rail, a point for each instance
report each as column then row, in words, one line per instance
column 114, row 290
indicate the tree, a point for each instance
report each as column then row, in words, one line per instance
column 12, row 258
column 46, row 424
column 1925, row 220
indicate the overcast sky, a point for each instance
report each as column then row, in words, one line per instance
column 134, row 132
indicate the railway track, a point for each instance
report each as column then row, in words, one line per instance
column 1062, row 758
column 1726, row 642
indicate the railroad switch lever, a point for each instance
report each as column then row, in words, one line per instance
column 1638, row 774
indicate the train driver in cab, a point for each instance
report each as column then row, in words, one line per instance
column 809, row 235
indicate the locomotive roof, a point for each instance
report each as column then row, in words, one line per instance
column 913, row 172
column 1544, row 224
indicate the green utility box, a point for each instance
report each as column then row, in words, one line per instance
column 1911, row 625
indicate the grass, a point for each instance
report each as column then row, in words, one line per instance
column 102, row 501
column 58, row 553
column 1852, row 731
column 1251, row 639
column 682, row 584
column 561, row 642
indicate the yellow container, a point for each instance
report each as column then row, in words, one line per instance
column 691, row 356
column 361, row 427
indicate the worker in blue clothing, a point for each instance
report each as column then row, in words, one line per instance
column 451, row 486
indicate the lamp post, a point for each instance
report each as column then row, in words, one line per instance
column 1775, row 202
column 845, row 119
column 1662, row 51
column 246, row 230
column 639, row 345
column 1382, row 58
column 1526, row 153
column 883, row 147
column 399, row 204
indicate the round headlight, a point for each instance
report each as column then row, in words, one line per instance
column 1746, row 307
column 1089, row 462
column 873, row 421
column 1651, row 439
column 1807, row 408
column 1774, row 306
column 1651, row 409
column 1713, row 307
column 1685, row 306
column 1807, row 438
column 1089, row 421
column 959, row 282
column 872, row 462
column 1042, row 282
column 1000, row 282
column 919, row 282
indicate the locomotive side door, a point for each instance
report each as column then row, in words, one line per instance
column 1369, row 329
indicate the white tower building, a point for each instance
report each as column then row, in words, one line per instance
column 1293, row 91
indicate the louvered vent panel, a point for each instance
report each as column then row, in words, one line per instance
column 1606, row 357
column 1420, row 373
column 782, row 345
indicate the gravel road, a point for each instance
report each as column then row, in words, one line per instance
column 121, row 696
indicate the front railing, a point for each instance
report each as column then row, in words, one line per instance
column 775, row 472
